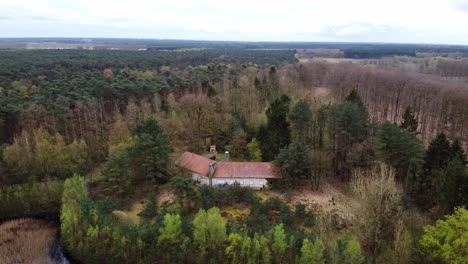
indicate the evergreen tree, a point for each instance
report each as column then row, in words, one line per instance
column 409, row 123
column 183, row 189
column 274, row 90
column 436, row 158
column 401, row 150
column 351, row 126
column 295, row 162
column 457, row 152
column 151, row 207
column 150, row 153
column 355, row 98
column 276, row 134
column 451, row 185
column 438, row 154
column 301, row 118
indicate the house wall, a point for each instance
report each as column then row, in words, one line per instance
column 255, row 183
column 200, row 178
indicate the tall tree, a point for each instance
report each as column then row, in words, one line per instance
column 279, row 244
column 378, row 207
column 255, row 153
column 355, row 98
column 295, row 162
column 438, row 154
column 402, row 151
column 312, row 252
column 276, row 134
column 183, row 188
column 351, row 127
column 436, row 158
column 209, row 231
column 447, row 240
column 301, row 119
column 171, row 236
column 352, row 253
column 457, row 152
column 150, row 153
column 409, row 123
column 451, row 185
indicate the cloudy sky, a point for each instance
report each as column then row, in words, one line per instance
column 408, row 21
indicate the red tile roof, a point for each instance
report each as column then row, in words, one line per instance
column 194, row 163
column 263, row 170
column 226, row 169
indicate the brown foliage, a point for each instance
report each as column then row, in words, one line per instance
column 26, row 241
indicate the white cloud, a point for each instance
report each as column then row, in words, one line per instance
column 435, row 21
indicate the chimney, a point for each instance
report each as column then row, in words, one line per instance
column 213, row 149
column 211, row 170
column 226, row 155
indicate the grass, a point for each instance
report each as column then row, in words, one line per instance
column 26, row 241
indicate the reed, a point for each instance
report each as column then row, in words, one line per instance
column 26, row 240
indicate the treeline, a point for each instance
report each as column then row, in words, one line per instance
column 32, row 199
column 452, row 68
column 439, row 105
column 77, row 93
column 370, row 53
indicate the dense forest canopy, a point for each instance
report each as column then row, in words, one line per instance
column 370, row 153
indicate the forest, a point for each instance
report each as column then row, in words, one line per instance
column 372, row 148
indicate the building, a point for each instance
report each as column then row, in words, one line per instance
column 209, row 172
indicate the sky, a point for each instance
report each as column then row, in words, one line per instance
column 400, row 21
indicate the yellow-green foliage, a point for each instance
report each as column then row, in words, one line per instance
column 237, row 214
column 42, row 154
column 30, row 199
column 26, row 241
column 86, row 236
column 448, row 239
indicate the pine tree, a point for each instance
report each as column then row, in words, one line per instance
column 301, row 118
column 438, row 154
column 355, row 98
column 436, row 158
column 457, row 152
column 150, row 153
column 451, row 185
column 409, row 123
column 295, row 162
column 276, row 134
column 401, row 150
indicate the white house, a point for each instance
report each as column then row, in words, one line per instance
column 210, row 172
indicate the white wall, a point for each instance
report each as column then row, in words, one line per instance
column 200, row 178
column 244, row 182
column 256, row 183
